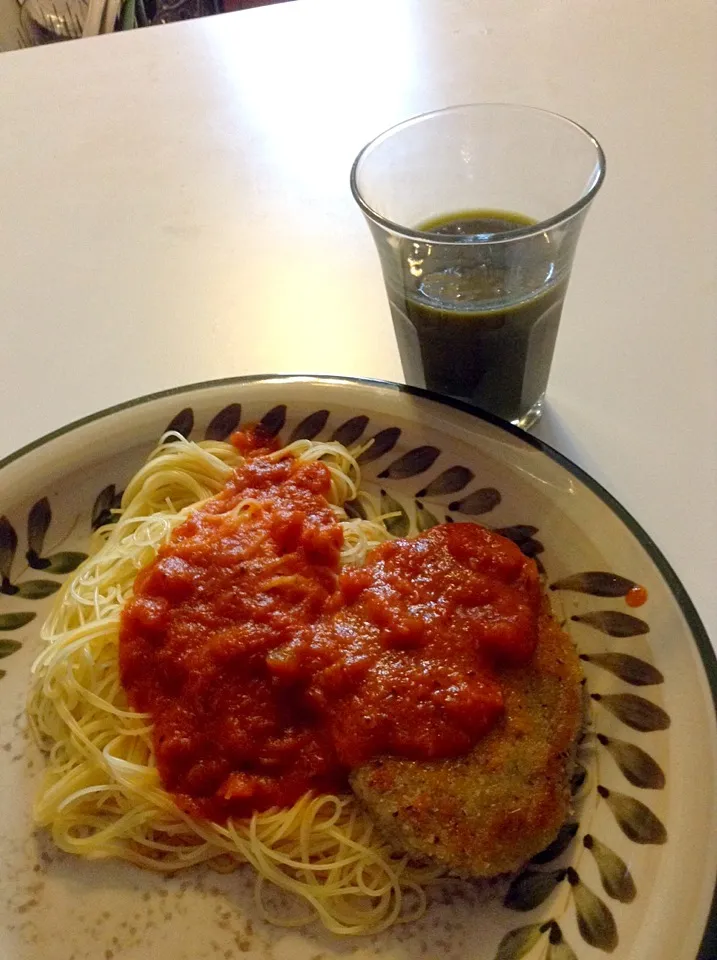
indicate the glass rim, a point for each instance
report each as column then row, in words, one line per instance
column 504, row 236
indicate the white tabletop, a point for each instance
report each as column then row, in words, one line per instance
column 175, row 207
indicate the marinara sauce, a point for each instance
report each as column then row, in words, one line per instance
column 268, row 672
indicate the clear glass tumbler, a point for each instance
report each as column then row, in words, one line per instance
column 476, row 211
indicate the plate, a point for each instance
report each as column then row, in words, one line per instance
column 632, row 874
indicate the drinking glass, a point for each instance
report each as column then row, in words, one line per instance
column 476, row 212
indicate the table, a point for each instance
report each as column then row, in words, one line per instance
column 175, row 207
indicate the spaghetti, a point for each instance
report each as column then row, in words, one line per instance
column 102, row 795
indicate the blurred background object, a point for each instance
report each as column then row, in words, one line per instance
column 29, row 23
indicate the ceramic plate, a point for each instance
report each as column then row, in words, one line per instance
column 631, row 875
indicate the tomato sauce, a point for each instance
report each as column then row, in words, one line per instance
column 636, row 596
column 268, row 671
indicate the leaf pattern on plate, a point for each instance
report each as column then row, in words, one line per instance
column 8, row 546
column 476, row 503
column 637, row 766
column 636, row 712
column 518, row 942
column 595, row 920
column 559, row 845
column 63, row 562
column 531, row 888
column 424, row 518
column 383, row 442
column 451, row 480
column 518, row 533
column 411, row 464
column 37, row 589
column 355, row 509
column 38, row 522
column 272, row 423
column 182, row 423
column 399, row 524
column 350, row 431
column 224, row 423
column 634, row 818
column 102, row 505
column 614, row 623
column 531, row 547
column 558, row 948
column 13, row 621
column 577, row 781
column 310, row 426
column 596, row 582
column 631, row 669
column 39, row 518
column 8, row 647
column 615, row 875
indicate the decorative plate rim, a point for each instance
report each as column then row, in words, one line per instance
column 708, row 946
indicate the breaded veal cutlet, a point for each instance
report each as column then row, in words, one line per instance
column 489, row 812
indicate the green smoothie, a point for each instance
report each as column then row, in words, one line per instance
column 478, row 321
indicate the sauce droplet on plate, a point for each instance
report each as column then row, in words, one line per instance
column 636, row 596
